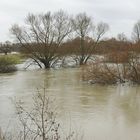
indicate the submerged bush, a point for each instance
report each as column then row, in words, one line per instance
column 7, row 63
column 114, row 68
column 106, row 73
column 134, row 66
column 99, row 73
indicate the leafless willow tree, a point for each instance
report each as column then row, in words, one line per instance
column 43, row 35
column 83, row 27
column 136, row 32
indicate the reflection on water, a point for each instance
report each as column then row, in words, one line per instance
column 103, row 112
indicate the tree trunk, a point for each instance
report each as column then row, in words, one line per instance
column 46, row 63
column 47, row 66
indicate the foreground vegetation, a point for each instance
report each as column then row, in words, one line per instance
column 39, row 122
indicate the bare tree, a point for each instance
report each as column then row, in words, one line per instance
column 136, row 32
column 43, row 35
column 122, row 37
column 83, row 26
column 6, row 47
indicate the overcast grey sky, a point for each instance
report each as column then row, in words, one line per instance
column 119, row 14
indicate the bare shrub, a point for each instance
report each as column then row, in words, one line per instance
column 134, row 66
column 98, row 73
column 106, row 73
column 40, row 121
column 123, row 68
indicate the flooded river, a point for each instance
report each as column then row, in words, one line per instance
column 98, row 112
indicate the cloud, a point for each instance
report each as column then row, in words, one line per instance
column 120, row 14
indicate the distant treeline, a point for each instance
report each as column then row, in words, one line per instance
column 71, row 47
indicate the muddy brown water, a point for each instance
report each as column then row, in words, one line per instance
column 95, row 111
